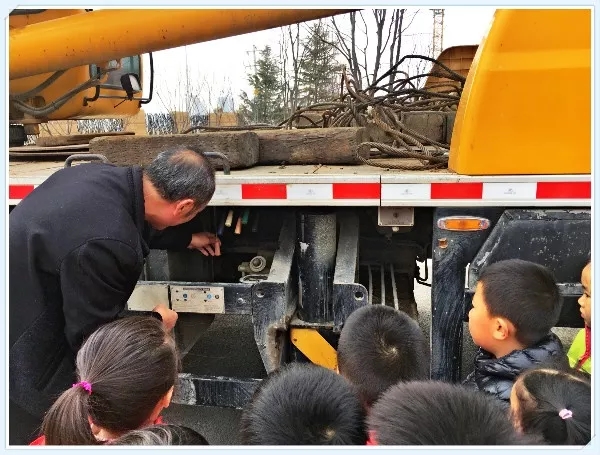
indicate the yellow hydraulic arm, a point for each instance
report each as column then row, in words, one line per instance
column 105, row 35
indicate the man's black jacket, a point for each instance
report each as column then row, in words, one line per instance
column 77, row 245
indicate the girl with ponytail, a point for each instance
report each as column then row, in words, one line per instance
column 126, row 371
column 555, row 405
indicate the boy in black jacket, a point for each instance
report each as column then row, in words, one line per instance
column 515, row 305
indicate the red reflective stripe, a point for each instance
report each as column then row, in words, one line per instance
column 264, row 191
column 457, row 190
column 19, row 191
column 564, row 190
column 356, row 190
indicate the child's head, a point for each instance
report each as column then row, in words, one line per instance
column 439, row 413
column 380, row 346
column 161, row 435
column 516, row 303
column 553, row 404
column 126, row 371
column 304, row 404
column 585, row 301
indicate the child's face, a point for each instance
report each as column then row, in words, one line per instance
column 480, row 321
column 585, row 301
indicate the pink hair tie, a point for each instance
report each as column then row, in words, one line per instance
column 565, row 414
column 85, row 386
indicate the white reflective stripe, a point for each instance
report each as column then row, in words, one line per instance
column 510, row 191
column 225, row 193
column 315, row 192
column 406, row 191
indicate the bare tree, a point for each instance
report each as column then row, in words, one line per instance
column 379, row 15
column 348, row 51
column 396, row 44
column 285, row 81
column 365, row 59
column 292, row 54
column 297, row 60
column 420, row 66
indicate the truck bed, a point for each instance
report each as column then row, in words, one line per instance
column 359, row 185
column 43, row 168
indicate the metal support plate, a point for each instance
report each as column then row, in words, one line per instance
column 147, row 295
column 198, row 299
column 348, row 295
column 396, row 216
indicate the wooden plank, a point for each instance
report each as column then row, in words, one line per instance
column 35, row 148
column 55, row 141
column 310, row 146
column 42, row 155
column 32, row 152
column 240, row 147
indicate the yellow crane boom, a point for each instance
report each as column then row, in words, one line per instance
column 103, row 35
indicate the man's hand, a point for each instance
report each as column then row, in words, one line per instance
column 205, row 242
column 169, row 317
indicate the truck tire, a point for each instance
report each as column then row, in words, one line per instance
column 16, row 135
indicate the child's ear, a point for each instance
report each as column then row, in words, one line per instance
column 95, row 428
column 166, row 400
column 503, row 329
column 168, row 397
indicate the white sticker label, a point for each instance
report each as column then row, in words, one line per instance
column 197, row 299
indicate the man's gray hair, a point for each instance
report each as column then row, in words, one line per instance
column 182, row 173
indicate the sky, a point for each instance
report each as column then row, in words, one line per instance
column 221, row 66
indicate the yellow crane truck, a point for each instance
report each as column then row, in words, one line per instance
column 306, row 244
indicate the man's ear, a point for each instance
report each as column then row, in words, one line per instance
column 184, row 207
column 502, row 329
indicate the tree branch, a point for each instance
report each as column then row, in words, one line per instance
column 349, row 53
column 400, row 21
column 380, row 22
column 364, row 50
column 341, row 40
column 392, row 22
column 357, row 74
column 411, row 20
